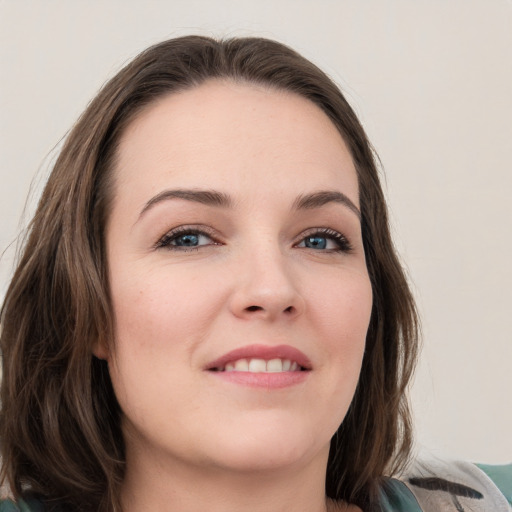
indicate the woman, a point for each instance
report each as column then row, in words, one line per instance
column 209, row 312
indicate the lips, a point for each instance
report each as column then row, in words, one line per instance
column 261, row 367
column 261, row 359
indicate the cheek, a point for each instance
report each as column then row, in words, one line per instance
column 160, row 306
column 156, row 330
column 343, row 308
column 342, row 315
column 161, row 316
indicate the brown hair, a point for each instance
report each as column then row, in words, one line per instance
column 60, row 421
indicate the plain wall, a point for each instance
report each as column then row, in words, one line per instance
column 432, row 83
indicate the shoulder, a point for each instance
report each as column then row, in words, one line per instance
column 28, row 505
column 430, row 486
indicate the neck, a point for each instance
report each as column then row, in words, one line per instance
column 172, row 486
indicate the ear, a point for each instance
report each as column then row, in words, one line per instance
column 100, row 350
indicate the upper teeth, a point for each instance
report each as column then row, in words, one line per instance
column 260, row 365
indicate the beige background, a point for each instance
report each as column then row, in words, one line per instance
column 432, row 83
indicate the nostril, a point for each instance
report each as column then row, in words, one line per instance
column 254, row 309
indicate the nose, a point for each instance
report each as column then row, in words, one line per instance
column 266, row 288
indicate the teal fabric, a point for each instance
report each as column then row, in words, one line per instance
column 501, row 476
column 396, row 497
column 8, row 506
column 21, row 506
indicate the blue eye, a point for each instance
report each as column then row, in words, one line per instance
column 183, row 239
column 326, row 240
column 188, row 240
column 315, row 242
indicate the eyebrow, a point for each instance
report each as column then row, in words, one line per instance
column 222, row 200
column 323, row 197
column 207, row 197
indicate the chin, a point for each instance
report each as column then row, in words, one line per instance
column 267, row 446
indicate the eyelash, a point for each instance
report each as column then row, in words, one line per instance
column 339, row 239
column 166, row 241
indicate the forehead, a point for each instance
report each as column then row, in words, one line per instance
column 233, row 136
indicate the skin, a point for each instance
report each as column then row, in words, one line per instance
column 195, row 441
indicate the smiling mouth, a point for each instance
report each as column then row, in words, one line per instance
column 256, row 365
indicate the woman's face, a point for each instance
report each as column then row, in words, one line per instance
column 238, row 280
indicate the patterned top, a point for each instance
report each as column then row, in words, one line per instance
column 436, row 486
column 432, row 486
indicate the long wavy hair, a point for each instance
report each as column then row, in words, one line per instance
column 60, row 432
